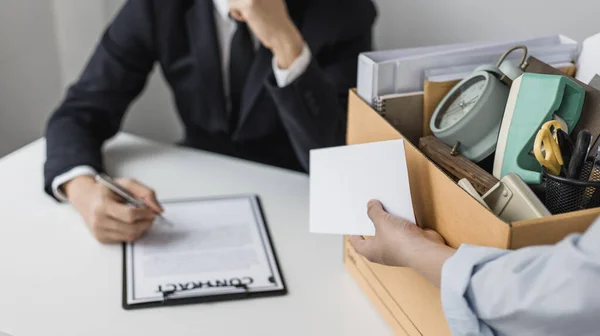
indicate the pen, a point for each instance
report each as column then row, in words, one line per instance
column 113, row 186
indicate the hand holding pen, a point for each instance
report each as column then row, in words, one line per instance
column 110, row 217
column 131, row 199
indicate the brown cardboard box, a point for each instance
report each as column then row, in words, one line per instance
column 407, row 301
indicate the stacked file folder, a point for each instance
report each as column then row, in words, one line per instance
column 404, row 70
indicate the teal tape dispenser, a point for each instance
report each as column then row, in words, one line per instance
column 533, row 100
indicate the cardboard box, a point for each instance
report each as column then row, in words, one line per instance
column 407, row 301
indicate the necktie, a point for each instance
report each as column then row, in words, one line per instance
column 240, row 62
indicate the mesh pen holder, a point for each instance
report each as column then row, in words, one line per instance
column 567, row 195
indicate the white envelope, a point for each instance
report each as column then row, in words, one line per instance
column 344, row 179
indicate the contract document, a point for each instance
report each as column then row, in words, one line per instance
column 217, row 249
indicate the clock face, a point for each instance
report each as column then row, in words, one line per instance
column 461, row 102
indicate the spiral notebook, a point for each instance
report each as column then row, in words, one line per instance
column 218, row 249
column 404, row 111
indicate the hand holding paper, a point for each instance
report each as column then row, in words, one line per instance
column 344, row 179
column 399, row 243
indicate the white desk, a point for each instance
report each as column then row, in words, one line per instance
column 55, row 279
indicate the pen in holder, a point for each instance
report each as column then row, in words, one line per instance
column 566, row 195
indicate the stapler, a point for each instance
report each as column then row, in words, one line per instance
column 512, row 200
column 533, row 100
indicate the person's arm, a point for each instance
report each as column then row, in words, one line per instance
column 542, row 290
column 91, row 113
column 400, row 243
column 313, row 105
column 94, row 106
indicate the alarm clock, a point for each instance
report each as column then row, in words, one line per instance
column 470, row 115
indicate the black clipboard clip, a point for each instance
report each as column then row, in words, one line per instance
column 168, row 294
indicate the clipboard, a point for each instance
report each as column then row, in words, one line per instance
column 198, row 289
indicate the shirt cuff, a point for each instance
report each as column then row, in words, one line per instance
column 286, row 76
column 456, row 278
column 58, row 182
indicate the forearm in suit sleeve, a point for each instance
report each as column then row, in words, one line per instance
column 95, row 105
column 313, row 107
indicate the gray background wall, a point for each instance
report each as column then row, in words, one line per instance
column 44, row 44
column 29, row 73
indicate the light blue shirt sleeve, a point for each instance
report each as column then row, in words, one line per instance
column 541, row 290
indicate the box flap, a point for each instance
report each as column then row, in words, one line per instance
column 550, row 230
column 416, row 311
column 377, row 292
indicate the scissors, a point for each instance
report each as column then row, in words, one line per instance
column 546, row 148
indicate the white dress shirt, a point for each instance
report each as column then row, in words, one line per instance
column 541, row 290
column 225, row 27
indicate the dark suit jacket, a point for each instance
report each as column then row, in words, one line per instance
column 277, row 126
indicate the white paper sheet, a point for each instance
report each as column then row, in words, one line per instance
column 214, row 245
column 344, row 179
column 588, row 63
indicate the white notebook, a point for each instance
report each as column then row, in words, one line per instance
column 218, row 249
